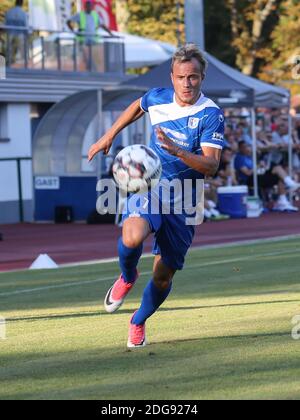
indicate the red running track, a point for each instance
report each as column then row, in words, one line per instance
column 22, row 243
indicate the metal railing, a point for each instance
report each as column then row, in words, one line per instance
column 24, row 48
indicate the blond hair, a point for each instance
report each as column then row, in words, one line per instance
column 187, row 53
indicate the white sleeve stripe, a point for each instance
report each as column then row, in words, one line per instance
column 142, row 105
column 216, row 146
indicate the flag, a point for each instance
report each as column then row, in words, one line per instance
column 104, row 9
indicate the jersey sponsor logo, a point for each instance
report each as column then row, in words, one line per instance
column 175, row 134
column 218, row 136
column 176, row 137
column 193, row 123
column 179, row 142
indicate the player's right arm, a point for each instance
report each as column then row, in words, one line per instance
column 131, row 114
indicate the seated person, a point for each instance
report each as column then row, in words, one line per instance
column 226, row 172
column 211, row 211
column 267, row 177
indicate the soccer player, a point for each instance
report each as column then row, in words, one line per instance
column 188, row 131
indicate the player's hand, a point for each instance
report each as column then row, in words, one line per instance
column 166, row 143
column 102, row 145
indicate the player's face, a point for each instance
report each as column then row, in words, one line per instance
column 187, row 79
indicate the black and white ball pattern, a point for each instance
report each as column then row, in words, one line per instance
column 136, row 168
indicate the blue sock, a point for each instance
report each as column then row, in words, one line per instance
column 152, row 299
column 129, row 258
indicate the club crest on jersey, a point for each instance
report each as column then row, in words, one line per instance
column 193, row 122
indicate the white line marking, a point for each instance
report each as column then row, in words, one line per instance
column 189, row 267
column 196, row 247
column 193, row 248
column 62, row 286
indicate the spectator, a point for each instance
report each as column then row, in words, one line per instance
column 242, row 132
column 226, row 172
column 280, row 140
column 233, row 143
column 212, row 213
column 88, row 22
column 16, row 17
column 267, row 178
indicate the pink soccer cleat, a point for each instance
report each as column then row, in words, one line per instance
column 137, row 335
column 117, row 293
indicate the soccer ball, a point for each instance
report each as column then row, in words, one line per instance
column 136, row 168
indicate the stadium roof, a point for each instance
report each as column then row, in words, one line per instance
column 227, row 86
column 69, row 126
column 35, row 86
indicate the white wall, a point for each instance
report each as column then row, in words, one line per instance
column 15, row 125
column 9, row 181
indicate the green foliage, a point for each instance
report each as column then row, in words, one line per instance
column 252, row 23
column 285, row 48
column 156, row 19
column 218, row 32
column 159, row 20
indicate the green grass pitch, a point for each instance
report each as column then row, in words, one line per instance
column 224, row 332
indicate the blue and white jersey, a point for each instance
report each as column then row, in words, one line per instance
column 191, row 128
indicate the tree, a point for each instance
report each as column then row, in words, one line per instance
column 122, row 14
column 218, row 31
column 252, row 22
column 154, row 19
column 283, row 59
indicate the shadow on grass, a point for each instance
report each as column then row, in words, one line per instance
column 225, row 337
column 129, row 311
column 111, row 373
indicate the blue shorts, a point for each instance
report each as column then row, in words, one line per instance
column 172, row 237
